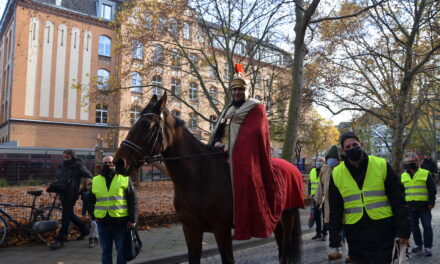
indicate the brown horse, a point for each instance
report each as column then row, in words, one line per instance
column 202, row 185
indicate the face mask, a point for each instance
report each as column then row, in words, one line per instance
column 354, row 154
column 411, row 166
column 318, row 164
column 332, row 162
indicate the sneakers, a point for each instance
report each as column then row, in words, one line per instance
column 317, row 237
column 324, row 238
column 416, row 249
column 83, row 235
column 428, row 252
column 93, row 241
column 57, row 245
column 334, row 255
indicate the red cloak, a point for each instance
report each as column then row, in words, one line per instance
column 263, row 186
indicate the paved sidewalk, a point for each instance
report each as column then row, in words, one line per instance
column 161, row 245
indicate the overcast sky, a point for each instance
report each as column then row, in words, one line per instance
column 2, row 6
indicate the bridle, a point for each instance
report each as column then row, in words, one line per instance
column 152, row 140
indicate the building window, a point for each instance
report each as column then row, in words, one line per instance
column 226, row 71
column 134, row 113
column 59, row 2
column 176, row 59
column 157, row 84
column 105, row 46
column 158, row 54
column 101, row 113
column 240, row 48
column 186, row 31
column 176, row 113
column 193, row 91
column 214, row 95
column 106, row 11
column 193, row 121
column 258, row 97
column 213, row 72
column 212, row 122
column 173, row 27
column 175, row 87
column 136, row 82
column 102, row 79
column 138, row 50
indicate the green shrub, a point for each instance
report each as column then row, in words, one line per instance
column 4, row 183
column 31, row 181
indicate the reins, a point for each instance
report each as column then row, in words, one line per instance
column 149, row 158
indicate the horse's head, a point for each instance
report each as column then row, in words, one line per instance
column 145, row 138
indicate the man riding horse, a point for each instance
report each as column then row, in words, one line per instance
column 259, row 191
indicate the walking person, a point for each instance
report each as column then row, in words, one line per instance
column 113, row 201
column 313, row 187
column 366, row 198
column 431, row 165
column 420, row 192
column 332, row 159
column 86, row 210
column 67, row 186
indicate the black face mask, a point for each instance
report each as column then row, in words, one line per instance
column 106, row 170
column 354, row 154
column 411, row 166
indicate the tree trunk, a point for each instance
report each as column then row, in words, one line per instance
column 297, row 68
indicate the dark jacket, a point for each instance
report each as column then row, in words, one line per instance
column 70, row 173
column 432, row 191
column 370, row 241
column 429, row 164
column 130, row 196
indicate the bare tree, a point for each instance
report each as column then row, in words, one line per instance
column 377, row 61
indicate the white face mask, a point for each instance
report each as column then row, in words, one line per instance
column 319, row 164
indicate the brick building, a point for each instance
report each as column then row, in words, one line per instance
column 57, row 58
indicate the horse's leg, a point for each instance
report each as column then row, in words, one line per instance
column 278, row 232
column 291, row 242
column 224, row 243
column 193, row 240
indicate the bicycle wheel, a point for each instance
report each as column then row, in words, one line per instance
column 4, row 229
column 42, row 216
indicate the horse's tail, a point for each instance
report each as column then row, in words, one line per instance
column 296, row 238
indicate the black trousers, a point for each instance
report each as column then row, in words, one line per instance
column 67, row 217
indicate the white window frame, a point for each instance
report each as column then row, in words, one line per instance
column 214, row 95
column 102, row 114
column 212, row 122
column 105, row 48
column 193, row 92
column 136, row 82
column 186, row 31
column 134, row 113
column 138, row 50
column 157, row 85
column 176, row 85
column 193, row 121
column 102, row 79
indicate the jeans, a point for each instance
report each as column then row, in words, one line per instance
column 320, row 231
column 69, row 216
column 425, row 217
column 107, row 234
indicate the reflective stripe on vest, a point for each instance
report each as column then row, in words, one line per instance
column 371, row 199
column 415, row 187
column 111, row 201
column 314, row 181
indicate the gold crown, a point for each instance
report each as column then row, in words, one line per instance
column 238, row 81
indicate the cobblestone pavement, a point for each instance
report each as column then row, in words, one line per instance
column 315, row 252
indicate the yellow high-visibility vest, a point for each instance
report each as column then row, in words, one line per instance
column 415, row 188
column 314, row 181
column 111, row 201
column 372, row 197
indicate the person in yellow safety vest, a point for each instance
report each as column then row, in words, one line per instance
column 366, row 199
column 420, row 192
column 113, row 202
column 313, row 187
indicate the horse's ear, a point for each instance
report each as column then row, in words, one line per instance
column 154, row 98
column 150, row 104
column 158, row 108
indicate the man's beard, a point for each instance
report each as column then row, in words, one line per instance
column 238, row 103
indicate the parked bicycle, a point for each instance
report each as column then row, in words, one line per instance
column 43, row 219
